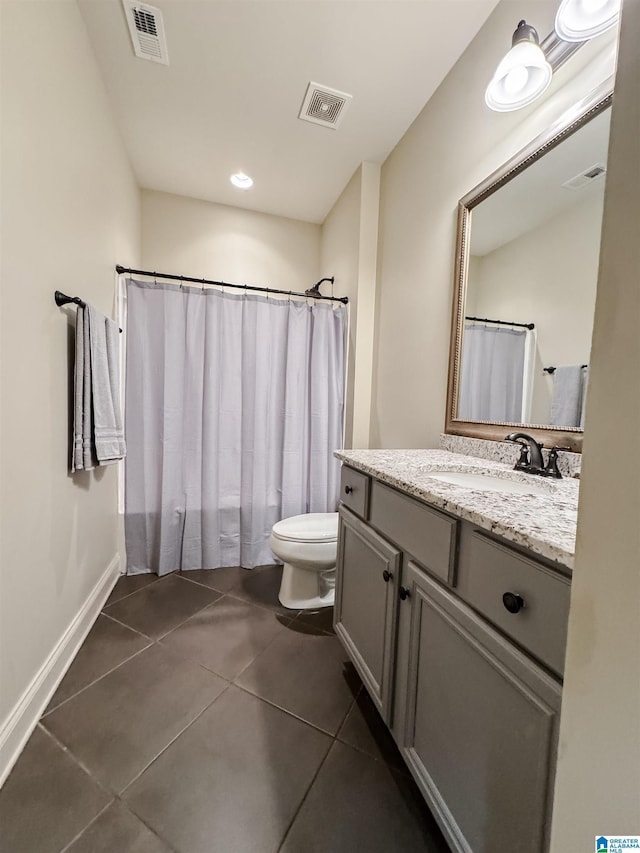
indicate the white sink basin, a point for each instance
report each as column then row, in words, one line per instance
column 488, row 483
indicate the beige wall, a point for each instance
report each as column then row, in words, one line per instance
column 548, row 277
column 200, row 239
column 598, row 779
column 349, row 251
column 455, row 142
column 340, row 258
column 69, row 212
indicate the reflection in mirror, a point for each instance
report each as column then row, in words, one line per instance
column 531, row 286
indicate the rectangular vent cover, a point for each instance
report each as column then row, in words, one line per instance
column 324, row 106
column 584, row 178
column 146, row 28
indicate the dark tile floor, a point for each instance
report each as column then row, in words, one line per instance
column 202, row 717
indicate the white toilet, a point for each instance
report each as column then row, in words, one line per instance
column 307, row 545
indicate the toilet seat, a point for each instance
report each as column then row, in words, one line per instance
column 312, row 527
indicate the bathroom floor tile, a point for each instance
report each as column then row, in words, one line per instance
column 365, row 730
column 222, row 579
column 357, row 803
column 118, row 831
column 233, row 780
column 306, row 673
column 162, row 606
column 47, row 799
column 106, row 646
column 119, row 724
column 128, row 584
column 322, row 619
column 225, row 637
column 261, row 587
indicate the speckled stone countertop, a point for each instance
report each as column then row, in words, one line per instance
column 543, row 523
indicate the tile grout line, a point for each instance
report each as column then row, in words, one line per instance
column 306, row 795
column 96, row 680
column 85, row 828
column 290, row 713
column 77, row 761
column 136, row 591
column 172, row 741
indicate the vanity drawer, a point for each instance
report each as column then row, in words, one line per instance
column 487, row 570
column 426, row 534
column 354, row 490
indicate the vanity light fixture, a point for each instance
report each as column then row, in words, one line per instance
column 522, row 75
column 242, row 181
column 579, row 20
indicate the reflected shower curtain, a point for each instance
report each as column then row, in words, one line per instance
column 492, row 373
column 234, row 406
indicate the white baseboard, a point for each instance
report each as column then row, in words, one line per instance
column 17, row 728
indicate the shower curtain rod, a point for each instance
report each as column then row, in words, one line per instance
column 186, row 278
column 501, row 322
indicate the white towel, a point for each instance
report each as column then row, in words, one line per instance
column 566, row 403
column 98, row 435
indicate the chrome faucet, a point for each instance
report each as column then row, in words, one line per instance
column 532, row 463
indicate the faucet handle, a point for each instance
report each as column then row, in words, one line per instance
column 551, row 468
column 523, row 462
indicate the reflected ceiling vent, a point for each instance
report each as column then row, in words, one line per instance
column 587, row 177
column 324, row 106
column 147, row 31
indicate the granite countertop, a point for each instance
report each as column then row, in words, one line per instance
column 543, row 523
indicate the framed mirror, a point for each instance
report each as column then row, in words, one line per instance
column 526, row 271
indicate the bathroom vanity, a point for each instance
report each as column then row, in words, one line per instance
column 452, row 602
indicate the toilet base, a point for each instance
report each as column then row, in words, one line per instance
column 306, row 590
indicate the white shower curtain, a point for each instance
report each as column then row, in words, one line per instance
column 234, row 406
column 492, row 374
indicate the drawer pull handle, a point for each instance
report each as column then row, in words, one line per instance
column 348, row 490
column 386, row 575
column 404, row 593
column 513, row 602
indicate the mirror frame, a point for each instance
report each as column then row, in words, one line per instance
column 570, row 437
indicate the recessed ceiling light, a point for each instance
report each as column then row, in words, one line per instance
column 242, row 181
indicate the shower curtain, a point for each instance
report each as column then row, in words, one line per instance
column 234, row 406
column 492, row 374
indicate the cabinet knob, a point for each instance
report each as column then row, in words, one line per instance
column 404, row 593
column 386, row 576
column 513, row 602
column 348, row 490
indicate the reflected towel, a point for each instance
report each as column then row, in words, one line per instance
column 98, row 435
column 585, row 382
column 566, row 403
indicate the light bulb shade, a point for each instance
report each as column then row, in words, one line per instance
column 579, row 20
column 520, row 78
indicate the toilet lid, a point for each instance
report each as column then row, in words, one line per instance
column 311, row 527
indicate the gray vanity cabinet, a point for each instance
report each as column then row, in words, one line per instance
column 365, row 606
column 463, row 678
column 480, row 726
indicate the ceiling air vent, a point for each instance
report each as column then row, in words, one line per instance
column 147, row 31
column 324, row 106
column 586, row 177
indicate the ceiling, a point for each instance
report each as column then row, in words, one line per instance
column 536, row 195
column 238, row 72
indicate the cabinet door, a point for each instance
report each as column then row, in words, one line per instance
column 481, row 726
column 365, row 606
